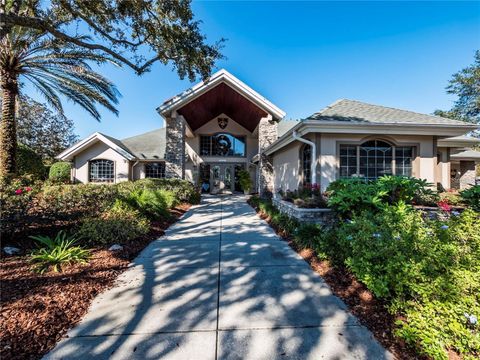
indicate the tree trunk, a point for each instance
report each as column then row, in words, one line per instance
column 8, row 126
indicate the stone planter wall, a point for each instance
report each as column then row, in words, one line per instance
column 317, row 216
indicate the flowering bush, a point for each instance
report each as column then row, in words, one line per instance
column 16, row 201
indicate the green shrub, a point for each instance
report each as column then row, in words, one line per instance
column 426, row 269
column 353, row 195
column 245, row 180
column 471, row 197
column 306, row 235
column 117, row 225
column 184, row 190
column 60, row 172
column 16, row 201
column 152, row 203
column 30, row 163
column 406, row 189
column 57, row 252
column 69, row 202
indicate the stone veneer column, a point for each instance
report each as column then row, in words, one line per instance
column 267, row 134
column 467, row 174
column 175, row 147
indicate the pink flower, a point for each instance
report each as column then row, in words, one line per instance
column 28, row 188
column 444, row 205
column 18, row 191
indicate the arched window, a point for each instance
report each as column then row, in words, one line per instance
column 222, row 144
column 306, row 164
column 155, row 170
column 375, row 158
column 101, row 171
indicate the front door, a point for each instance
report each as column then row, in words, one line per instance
column 224, row 178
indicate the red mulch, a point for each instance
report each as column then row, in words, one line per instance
column 37, row 310
column 371, row 311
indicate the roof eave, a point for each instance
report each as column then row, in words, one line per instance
column 308, row 126
column 217, row 78
column 69, row 153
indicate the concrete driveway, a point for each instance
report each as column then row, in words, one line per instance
column 219, row 285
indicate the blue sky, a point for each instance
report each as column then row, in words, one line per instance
column 304, row 55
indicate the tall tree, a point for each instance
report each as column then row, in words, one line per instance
column 136, row 33
column 55, row 69
column 465, row 84
column 46, row 132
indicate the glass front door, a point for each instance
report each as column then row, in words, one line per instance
column 224, row 178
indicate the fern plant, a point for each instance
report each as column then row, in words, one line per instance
column 57, row 252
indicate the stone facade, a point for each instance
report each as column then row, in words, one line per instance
column 175, row 147
column 467, row 174
column 317, row 216
column 267, row 134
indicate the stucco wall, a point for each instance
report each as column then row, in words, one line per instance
column 99, row 150
column 287, row 165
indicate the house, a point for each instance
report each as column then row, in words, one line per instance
column 221, row 126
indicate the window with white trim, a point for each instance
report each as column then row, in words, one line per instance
column 374, row 159
column 101, row 170
column 155, row 170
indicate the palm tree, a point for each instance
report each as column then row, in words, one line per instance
column 55, row 69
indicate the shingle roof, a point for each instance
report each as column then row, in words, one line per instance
column 285, row 125
column 147, row 146
column 118, row 143
column 467, row 154
column 360, row 112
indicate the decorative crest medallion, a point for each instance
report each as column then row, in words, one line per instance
column 222, row 122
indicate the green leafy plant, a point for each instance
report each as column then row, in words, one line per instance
column 30, row 163
column 471, row 197
column 403, row 188
column 119, row 224
column 152, row 203
column 60, row 172
column 245, row 181
column 57, row 252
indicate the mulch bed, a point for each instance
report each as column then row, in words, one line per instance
column 37, row 310
column 371, row 311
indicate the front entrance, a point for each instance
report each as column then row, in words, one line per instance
column 222, row 178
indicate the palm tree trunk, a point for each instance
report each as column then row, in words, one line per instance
column 8, row 126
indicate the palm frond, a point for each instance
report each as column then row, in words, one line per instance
column 57, row 70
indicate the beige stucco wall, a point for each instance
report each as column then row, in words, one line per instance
column 99, row 150
column 287, row 166
column 192, row 147
column 442, row 168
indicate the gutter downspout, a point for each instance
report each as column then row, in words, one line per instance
column 313, row 166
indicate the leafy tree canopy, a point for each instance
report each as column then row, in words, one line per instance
column 465, row 84
column 136, row 33
column 46, row 132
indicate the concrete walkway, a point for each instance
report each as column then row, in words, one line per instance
column 219, row 285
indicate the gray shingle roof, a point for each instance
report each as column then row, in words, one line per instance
column 467, row 154
column 285, row 125
column 360, row 112
column 147, row 146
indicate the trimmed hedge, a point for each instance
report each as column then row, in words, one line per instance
column 60, row 172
